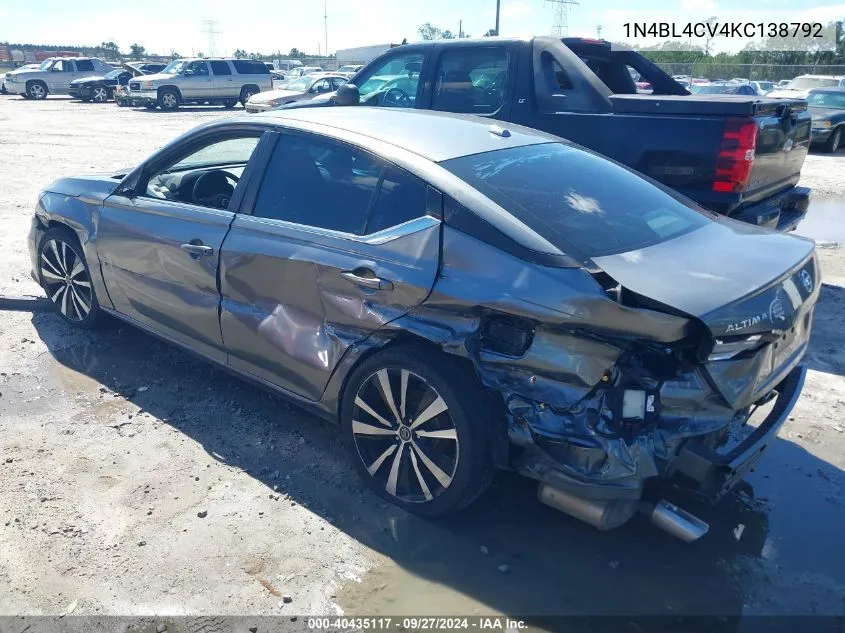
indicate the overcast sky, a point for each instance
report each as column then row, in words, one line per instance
column 272, row 25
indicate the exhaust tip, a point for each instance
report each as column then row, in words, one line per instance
column 678, row 522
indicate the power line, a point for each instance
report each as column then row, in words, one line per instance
column 560, row 26
column 210, row 29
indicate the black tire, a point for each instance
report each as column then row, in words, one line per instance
column 36, row 90
column 439, row 473
column 835, row 140
column 150, row 106
column 246, row 93
column 100, row 93
column 230, row 104
column 66, row 279
column 169, row 99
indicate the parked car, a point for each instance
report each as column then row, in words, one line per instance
column 349, row 69
column 800, row 87
column 458, row 296
column 214, row 81
column 102, row 89
column 763, row 87
column 782, row 83
column 301, row 89
column 827, row 107
column 582, row 90
column 728, row 88
column 54, row 76
column 301, row 71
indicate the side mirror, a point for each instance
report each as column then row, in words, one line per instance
column 347, row 94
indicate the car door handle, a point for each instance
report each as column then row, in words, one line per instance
column 366, row 278
column 197, row 249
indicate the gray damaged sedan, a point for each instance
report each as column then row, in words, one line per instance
column 458, row 296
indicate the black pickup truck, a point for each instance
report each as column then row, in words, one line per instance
column 737, row 155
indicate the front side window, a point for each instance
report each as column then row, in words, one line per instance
column 827, row 99
column 84, row 65
column 197, row 69
column 319, row 183
column 337, row 82
column 220, row 68
column 206, row 176
column 394, row 82
column 62, row 66
column 582, row 203
column 471, row 80
column 321, row 86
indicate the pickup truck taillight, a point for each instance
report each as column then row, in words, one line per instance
column 736, row 155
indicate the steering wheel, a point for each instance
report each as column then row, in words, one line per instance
column 214, row 179
column 396, row 98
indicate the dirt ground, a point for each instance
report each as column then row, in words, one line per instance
column 113, row 444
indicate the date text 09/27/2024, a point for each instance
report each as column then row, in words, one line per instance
column 483, row 623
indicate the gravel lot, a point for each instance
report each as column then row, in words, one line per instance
column 112, row 445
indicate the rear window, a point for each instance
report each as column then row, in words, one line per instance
column 584, row 204
column 250, row 67
column 84, row 65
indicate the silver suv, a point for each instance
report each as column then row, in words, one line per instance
column 53, row 76
column 210, row 80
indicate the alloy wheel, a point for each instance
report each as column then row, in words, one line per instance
column 169, row 100
column 66, row 280
column 36, row 91
column 405, row 435
column 100, row 95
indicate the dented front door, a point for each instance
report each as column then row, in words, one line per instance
column 296, row 297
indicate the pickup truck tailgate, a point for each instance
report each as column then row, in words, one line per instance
column 781, row 144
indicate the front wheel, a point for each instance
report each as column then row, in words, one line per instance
column 230, row 104
column 833, row 142
column 168, row 99
column 415, row 424
column 100, row 94
column 36, row 90
column 65, row 277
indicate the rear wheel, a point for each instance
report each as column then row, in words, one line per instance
column 100, row 94
column 834, row 141
column 230, row 104
column 415, row 424
column 36, row 90
column 65, row 277
column 168, row 99
column 246, row 93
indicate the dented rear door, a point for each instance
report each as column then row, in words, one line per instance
column 296, row 294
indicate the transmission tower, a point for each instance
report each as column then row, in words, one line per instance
column 210, row 29
column 560, row 27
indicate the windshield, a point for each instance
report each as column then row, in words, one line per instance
column 806, row 83
column 175, row 67
column 827, row 99
column 115, row 74
column 372, row 84
column 45, row 64
column 299, row 85
column 582, row 203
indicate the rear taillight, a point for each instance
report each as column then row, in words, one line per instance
column 736, row 155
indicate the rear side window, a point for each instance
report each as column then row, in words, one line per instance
column 84, row 65
column 250, row 67
column 584, row 204
column 401, row 197
column 220, row 68
column 471, row 80
column 318, row 183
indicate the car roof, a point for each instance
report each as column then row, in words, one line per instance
column 436, row 136
column 829, row 89
column 820, row 77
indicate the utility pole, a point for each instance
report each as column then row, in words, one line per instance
column 598, row 31
column 211, row 30
column 498, row 6
column 460, row 29
column 326, row 26
column 560, row 27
